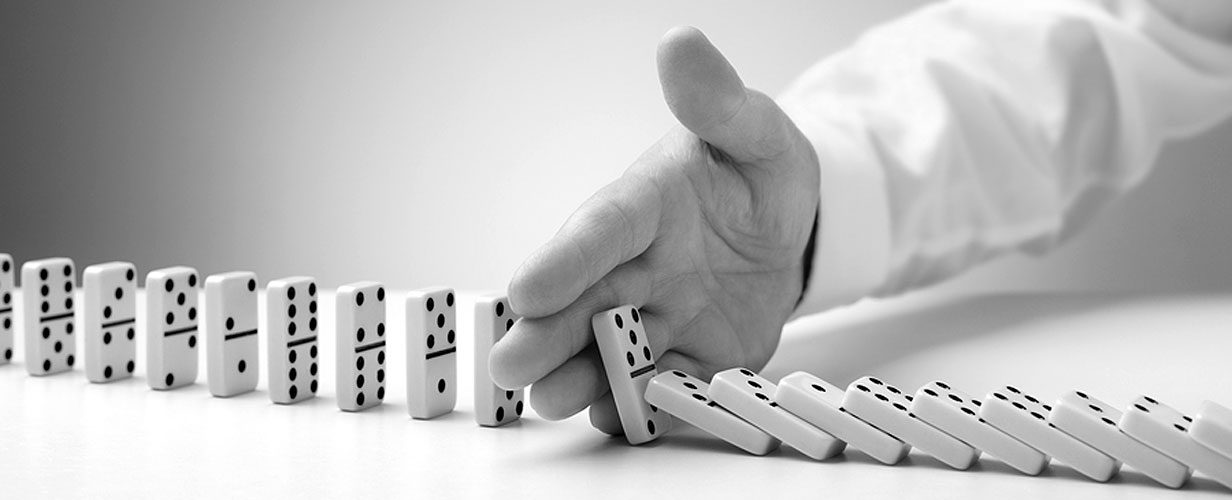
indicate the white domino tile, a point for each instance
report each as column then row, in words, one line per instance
column 957, row 414
column 494, row 406
column 1095, row 423
column 171, row 327
column 6, row 308
column 749, row 396
column 1212, row 428
column 630, row 364
column 360, row 353
column 109, row 321
column 48, row 315
column 292, row 333
column 1023, row 416
column 885, row 406
column 231, row 344
column 821, row 403
column 431, row 352
column 685, row 396
column 1165, row 429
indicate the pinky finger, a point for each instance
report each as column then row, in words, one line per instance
column 604, row 417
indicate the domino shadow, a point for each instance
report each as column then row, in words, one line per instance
column 1133, row 478
column 845, row 349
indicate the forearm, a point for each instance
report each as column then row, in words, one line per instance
column 968, row 130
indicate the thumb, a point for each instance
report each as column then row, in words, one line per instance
column 706, row 95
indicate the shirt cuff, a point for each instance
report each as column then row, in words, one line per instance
column 852, row 253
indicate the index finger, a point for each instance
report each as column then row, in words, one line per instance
column 615, row 225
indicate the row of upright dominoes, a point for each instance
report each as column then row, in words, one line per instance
column 229, row 320
column 820, row 420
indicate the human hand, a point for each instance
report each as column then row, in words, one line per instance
column 706, row 233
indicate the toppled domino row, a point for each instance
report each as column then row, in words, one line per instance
column 820, row 420
column 229, row 320
column 738, row 406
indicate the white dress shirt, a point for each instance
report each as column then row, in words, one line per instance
column 974, row 128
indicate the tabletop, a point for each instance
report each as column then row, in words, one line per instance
column 61, row 436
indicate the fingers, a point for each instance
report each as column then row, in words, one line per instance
column 571, row 387
column 603, row 416
column 615, row 225
column 707, row 96
column 536, row 346
column 581, row 379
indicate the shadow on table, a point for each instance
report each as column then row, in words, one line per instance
column 844, row 350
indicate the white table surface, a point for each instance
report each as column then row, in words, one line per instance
column 61, row 436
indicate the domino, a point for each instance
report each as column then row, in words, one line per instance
column 171, row 327
column 1025, row 418
column 1163, row 428
column 1212, row 428
column 630, row 365
column 47, row 313
column 109, row 321
column 231, row 359
column 361, row 345
column 886, row 407
column 684, row 396
column 747, row 395
column 6, row 309
column 431, row 353
column 820, row 403
column 494, row 406
column 1095, row 423
column 291, row 333
column 956, row 414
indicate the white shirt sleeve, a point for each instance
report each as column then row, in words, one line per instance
column 974, row 128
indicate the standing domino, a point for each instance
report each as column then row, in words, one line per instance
column 747, row 395
column 1161, row 427
column 684, row 396
column 956, row 413
column 231, row 359
column 47, row 315
column 171, row 327
column 110, row 321
column 630, row 365
column 886, row 407
column 6, row 309
column 820, row 403
column 431, row 352
column 1095, row 423
column 1212, row 428
column 291, row 330
column 493, row 406
column 1024, row 417
column 361, row 345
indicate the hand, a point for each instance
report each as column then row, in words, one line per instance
column 706, row 232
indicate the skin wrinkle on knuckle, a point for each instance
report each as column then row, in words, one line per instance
column 601, row 293
column 775, row 142
column 608, row 220
column 724, row 121
column 654, row 202
column 579, row 254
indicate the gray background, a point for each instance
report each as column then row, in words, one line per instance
column 427, row 143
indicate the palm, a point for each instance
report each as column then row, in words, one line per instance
column 726, row 266
column 706, row 232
